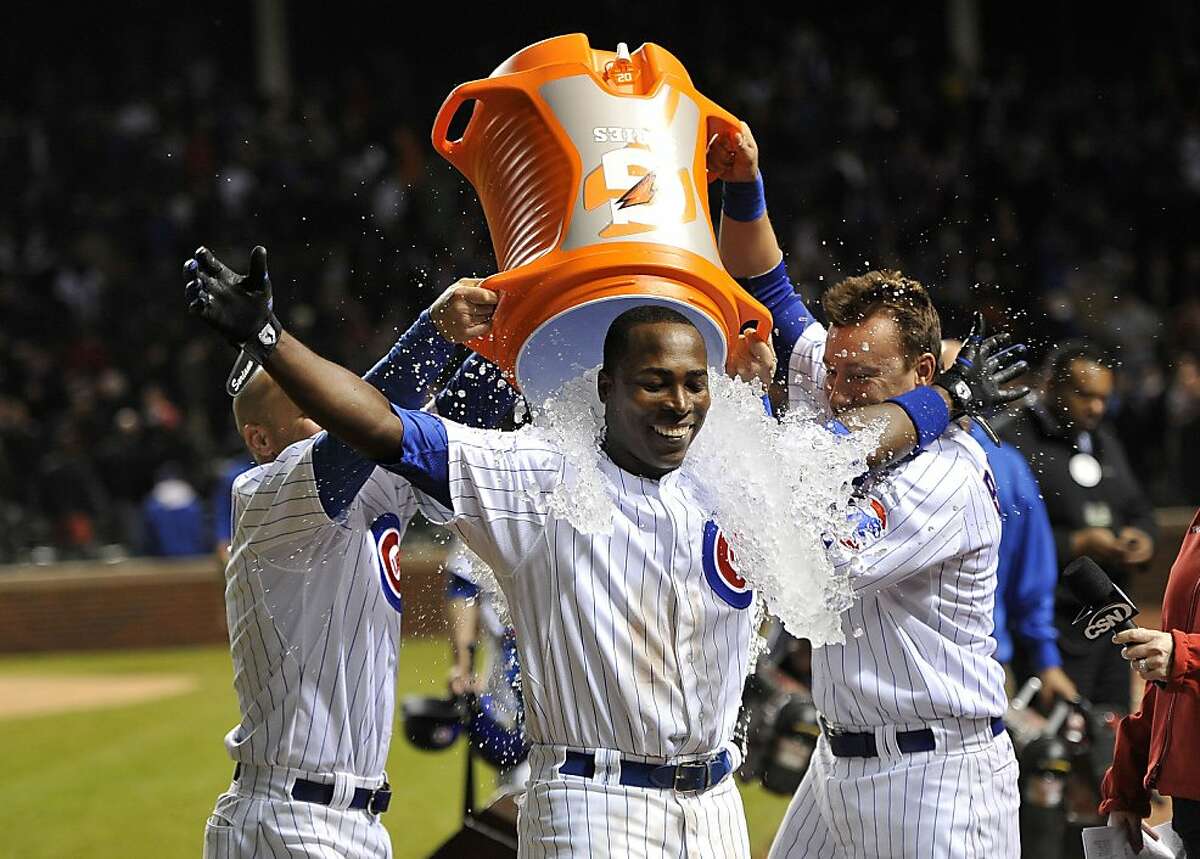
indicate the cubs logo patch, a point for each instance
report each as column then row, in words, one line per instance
column 386, row 534
column 869, row 522
column 720, row 569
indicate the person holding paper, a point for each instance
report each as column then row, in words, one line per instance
column 1159, row 746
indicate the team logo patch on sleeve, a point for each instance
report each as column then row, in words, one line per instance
column 868, row 523
column 720, row 570
column 387, row 534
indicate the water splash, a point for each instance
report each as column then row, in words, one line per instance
column 779, row 490
column 781, row 493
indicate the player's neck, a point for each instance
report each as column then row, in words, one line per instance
column 627, row 462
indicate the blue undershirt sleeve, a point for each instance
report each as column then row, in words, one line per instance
column 340, row 471
column 788, row 311
column 459, row 588
column 424, row 455
column 478, row 395
column 408, row 371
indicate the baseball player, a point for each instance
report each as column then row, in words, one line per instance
column 913, row 760
column 633, row 644
column 313, row 608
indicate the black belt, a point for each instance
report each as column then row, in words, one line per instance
column 854, row 745
column 364, row 799
column 686, row 778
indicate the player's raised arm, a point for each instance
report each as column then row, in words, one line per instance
column 240, row 307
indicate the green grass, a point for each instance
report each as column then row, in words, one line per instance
column 139, row 780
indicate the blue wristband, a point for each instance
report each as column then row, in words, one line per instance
column 927, row 410
column 744, row 201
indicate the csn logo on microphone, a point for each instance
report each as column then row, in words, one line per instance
column 1104, row 620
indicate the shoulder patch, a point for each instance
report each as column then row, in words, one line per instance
column 720, row 570
column 386, row 535
column 869, row 522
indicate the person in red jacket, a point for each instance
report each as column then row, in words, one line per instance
column 1159, row 747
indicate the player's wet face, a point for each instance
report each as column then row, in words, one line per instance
column 865, row 364
column 1083, row 398
column 655, row 398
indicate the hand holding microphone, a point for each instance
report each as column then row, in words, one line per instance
column 1150, row 652
column 1106, row 608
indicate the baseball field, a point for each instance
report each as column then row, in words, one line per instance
column 119, row 754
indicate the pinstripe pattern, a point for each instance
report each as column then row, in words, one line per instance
column 241, row 826
column 918, row 639
column 918, row 653
column 314, row 645
column 623, row 643
column 598, row 819
column 929, row 805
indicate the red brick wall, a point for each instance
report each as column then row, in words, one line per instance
column 150, row 603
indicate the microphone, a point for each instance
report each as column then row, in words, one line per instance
column 1106, row 608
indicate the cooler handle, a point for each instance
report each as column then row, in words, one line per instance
column 717, row 121
column 751, row 312
column 452, row 150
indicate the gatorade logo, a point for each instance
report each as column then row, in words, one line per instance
column 642, row 192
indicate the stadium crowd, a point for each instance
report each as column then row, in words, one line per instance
column 1060, row 202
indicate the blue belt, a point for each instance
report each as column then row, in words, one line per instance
column 375, row 801
column 852, row 745
column 685, row 778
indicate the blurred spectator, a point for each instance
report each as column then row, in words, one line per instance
column 173, row 519
column 1047, row 186
column 1183, row 428
column 1094, row 501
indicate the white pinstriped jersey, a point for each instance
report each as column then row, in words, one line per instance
column 629, row 641
column 918, row 637
column 312, row 632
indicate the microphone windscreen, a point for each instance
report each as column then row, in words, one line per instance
column 1090, row 584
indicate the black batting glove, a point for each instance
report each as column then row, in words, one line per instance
column 237, row 306
column 975, row 378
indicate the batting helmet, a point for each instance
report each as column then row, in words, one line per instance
column 433, row 723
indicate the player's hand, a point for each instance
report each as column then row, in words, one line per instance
column 751, row 359
column 1148, row 650
column 1137, row 546
column 733, row 157
column 1133, row 827
column 237, row 306
column 975, row 378
column 464, row 311
column 1056, row 684
column 462, row 681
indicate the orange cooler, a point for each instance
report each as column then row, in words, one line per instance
column 590, row 166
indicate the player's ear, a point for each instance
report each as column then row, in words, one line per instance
column 603, row 385
column 258, row 440
column 927, row 367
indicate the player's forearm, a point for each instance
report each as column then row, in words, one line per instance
column 748, row 248
column 345, row 405
column 464, row 628
column 900, row 433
